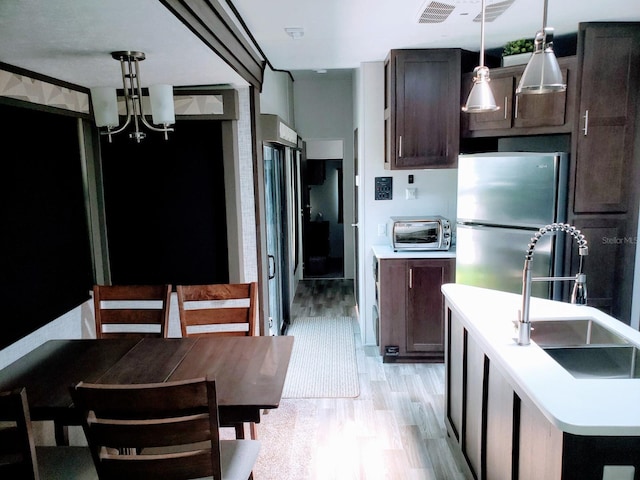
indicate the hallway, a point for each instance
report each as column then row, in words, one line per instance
column 394, row 429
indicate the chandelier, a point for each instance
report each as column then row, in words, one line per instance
column 105, row 103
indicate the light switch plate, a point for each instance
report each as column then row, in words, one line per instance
column 411, row 194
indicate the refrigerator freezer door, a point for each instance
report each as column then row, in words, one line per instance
column 493, row 257
column 513, row 189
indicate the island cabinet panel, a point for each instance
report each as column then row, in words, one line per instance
column 540, row 445
column 411, row 308
column 472, row 440
column 499, row 426
column 422, row 104
column 454, row 374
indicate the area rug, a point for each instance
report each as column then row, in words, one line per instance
column 323, row 362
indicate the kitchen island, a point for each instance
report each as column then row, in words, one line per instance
column 514, row 412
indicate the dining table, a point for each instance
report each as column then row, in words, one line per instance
column 249, row 372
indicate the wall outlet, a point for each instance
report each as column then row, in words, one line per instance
column 382, row 229
column 411, row 193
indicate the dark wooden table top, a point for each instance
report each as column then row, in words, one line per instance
column 249, row 371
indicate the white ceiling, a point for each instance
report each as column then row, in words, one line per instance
column 72, row 39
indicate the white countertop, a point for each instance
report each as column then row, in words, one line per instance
column 385, row 251
column 577, row 406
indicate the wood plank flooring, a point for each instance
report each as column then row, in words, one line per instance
column 393, row 430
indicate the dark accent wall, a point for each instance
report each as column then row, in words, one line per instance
column 165, row 206
column 45, row 265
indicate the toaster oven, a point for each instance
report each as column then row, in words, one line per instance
column 420, row 233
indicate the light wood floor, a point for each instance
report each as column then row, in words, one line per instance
column 393, row 430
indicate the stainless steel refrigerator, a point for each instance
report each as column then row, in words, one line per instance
column 503, row 199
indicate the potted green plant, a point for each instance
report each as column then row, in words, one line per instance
column 517, row 52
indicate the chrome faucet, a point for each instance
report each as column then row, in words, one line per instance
column 579, row 292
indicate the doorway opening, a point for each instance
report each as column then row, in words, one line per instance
column 323, row 236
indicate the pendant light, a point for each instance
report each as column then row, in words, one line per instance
column 542, row 74
column 481, row 97
column 105, row 103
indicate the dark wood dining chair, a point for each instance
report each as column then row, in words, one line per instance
column 162, row 430
column 21, row 459
column 131, row 310
column 218, row 309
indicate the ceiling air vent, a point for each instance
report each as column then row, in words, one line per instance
column 494, row 10
column 436, row 12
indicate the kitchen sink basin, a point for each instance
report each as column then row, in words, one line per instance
column 573, row 332
column 601, row 361
column 586, row 349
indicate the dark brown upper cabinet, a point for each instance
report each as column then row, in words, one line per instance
column 422, row 108
column 548, row 113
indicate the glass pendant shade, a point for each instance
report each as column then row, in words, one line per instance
column 542, row 74
column 481, row 97
column 162, row 109
column 105, row 106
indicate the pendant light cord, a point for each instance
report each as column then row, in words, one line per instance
column 482, row 36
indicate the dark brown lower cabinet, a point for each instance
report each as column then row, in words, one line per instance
column 411, row 307
column 502, row 435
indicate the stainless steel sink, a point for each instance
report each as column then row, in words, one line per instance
column 586, row 349
column 602, row 361
column 580, row 331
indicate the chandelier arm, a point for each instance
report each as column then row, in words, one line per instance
column 112, row 131
column 142, row 116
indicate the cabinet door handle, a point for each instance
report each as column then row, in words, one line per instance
column 586, row 123
column 516, row 109
column 506, row 103
column 400, row 146
column 411, row 278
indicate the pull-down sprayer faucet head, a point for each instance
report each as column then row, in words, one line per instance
column 579, row 293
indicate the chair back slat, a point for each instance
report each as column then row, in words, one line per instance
column 131, row 310
column 225, row 309
column 185, row 465
column 121, row 421
column 17, row 447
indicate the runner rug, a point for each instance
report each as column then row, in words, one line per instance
column 323, row 362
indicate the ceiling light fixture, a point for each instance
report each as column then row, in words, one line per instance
column 105, row 103
column 542, row 74
column 295, row 32
column 481, row 97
